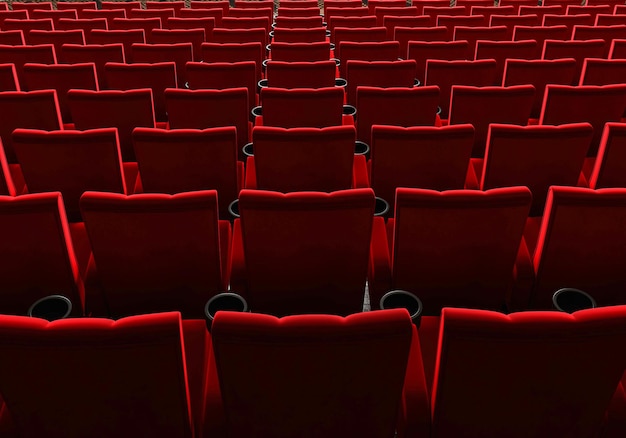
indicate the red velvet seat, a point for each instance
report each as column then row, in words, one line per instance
column 406, row 34
column 324, row 242
column 609, row 19
column 305, row 159
column 256, row 35
column 510, row 105
column 422, row 51
column 56, row 15
column 62, row 78
column 224, row 4
column 207, row 24
column 177, row 36
column 577, row 50
column 336, row 360
column 155, row 252
column 235, row 52
column 298, row 22
column 384, row 74
column 180, row 54
column 201, row 109
column 298, row 12
column 397, row 106
column 500, row 51
column 538, row 73
column 568, row 20
column 510, row 21
column 293, row 52
column 453, row 21
column 224, row 75
column 420, row 157
column 84, row 24
column 144, row 365
column 76, row 6
column 540, row 34
column 541, row 11
column 581, row 245
column 145, row 24
column 318, row 74
column 127, row 6
column 38, row 258
column 490, row 10
column 71, row 162
column 124, row 110
column 299, row 35
column 162, row 14
column 28, row 25
column 175, row 5
column 8, row 78
column 57, row 38
column 126, row 37
column 393, row 21
column 259, row 15
column 606, row 33
column 360, row 34
column 211, row 11
column 479, row 351
column 12, row 38
column 472, row 34
column 363, row 21
column 366, row 51
column 15, row 14
column 107, row 14
column 609, row 168
column 592, row 10
column 157, row 77
column 526, row 155
column 20, row 55
column 456, row 248
column 99, row 54
column 31, row 6
column 603, row 71
column 445, row 74
column 230, row 22
column 184, row 160
column 593, row 104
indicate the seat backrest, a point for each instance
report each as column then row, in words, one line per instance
column 12, row 38
column 184, row 160
column 163, row 14
column 360, row 34
column 76, row 6
column 209, row 11
column 20, row 55
column 56, row 38
column 606, row 33
column 71, row 162
column 500, row 51
column 384, row 74
column 32, row 109
column 99, row 54
column 235, row 52
column 179, row 53
column 62, row 78
column 120, row 361
column 223, row 75
column 299, row 35
column 145, row 24
column 406, row 34
column 232, row 21
column 292, row 52
column 581, row 245
column 8, row 78
column 453, row 21
column 303, row 159
column 421, row 51
column 366, row 51
column 594, row 104
column 107, row 14
column 54, row 14
column 298, row 12
column 540, row 34
column 176, row 36
column 525, row 155
column 201, row 109
column 255, row 35
column 318, row 74
column 445, row 74
column 28, row 25
column 352, row 22
column 479, row 351
column 568, row 20
column 302, row 107
column 395, row 11
column 207, row 24
column 337, row 355
column 578, row 50
column 510, row 105
column 126, row 37
column 477, row 235
column 609, row 19
column 324, row 240
column 510, row 21
column 598, row 71
column 84, row 24
column 472, row 34
column 28, row 6
column 175, row 5
column 538, row 73
column 155, row 252
column 298, row 22
column 401, row 106
column 420, row 157
column 37, row 251
column 393, row 21
column 609, row 169
column 127, row 6
column 157, row 76
column 124, row 110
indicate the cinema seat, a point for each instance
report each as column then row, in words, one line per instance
column 609, row 166
column 383, row 74
column 179, row 53
column 126, row 37
column 320, row 74
column 99, row 54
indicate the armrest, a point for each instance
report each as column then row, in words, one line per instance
column 523, row 280
column 213, row 415
column 379, row 277
column 414, row 413
column 474, row 172
column 615, row 418
column 250, row 174
column 237, row 261
column 196, row 343
column 359, row 173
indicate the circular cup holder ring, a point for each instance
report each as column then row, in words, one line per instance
column 248, row 150
column 381, row 208
column 233, row 209
column 227, row 301
column 570, row 300
column 51, row 308
column 401, row 299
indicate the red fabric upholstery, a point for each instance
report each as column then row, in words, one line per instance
column 28, row 25
column 538, row 73
column 606, row 33
column 235, row 52
column 27, row 6
column 108, row 14
column 62, row 78
column 256, row 35
column 526, row 155
column 84, row 24
column 378, row 74
column 12, row 37
column 324, row 242
column 176, row 5
column 201, row 109
column 179, row 53
column 510, row 21
column 568, row 20
column 162, row 14
column 304, row 159
column 603, row 71
column 406, row 34
column 70, row 162
column 399, row 20
column 145, row 24
column 184, row 160
column 211, row 11
column 389, row 3
column 54, row 14
column 224, row 75
column 299, row 35
column 540, row 34
column 425, row 157
column 302, row 107
column 33, row 109
column 298, row 12
column 578, row 50
column 292, row 52
column 456, row 248
column 132, row 379
column 406, row 107
column 57, row 38
column 503, row 50
column 360, row 34
column 253, row 17
column 176, row 36
column 354, row 21
column 388, row 10
column 421, row 51
column 126, row 37
column 20, row 55
column 490, row 10
column 593, row 104
column 207, row 24
column 541, row 11
column 8, row 78
column 581, row 245
column 335, row 356
column 38, row 258
column 78, row 7
column 155, row 252
column 480, row 351
column 124, row 110
column 445, row 74
column 366, row 51
column 233, row 22
column 99, row 54
column 127, row 6
column 319, row 74
column 472, row 34
column 454, row 21
column 298, row 22
column 511, row 105
column 609, row 170
column 224, row 4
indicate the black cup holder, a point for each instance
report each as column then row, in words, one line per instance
column 233, row 209
column 257, row 111
column 381, row 208
column 248, row 150
column 401, row 299
column 271, row 33
column 349, row 110
column 439, row 110
column 332, row 46
column 228, row 301
column 261, row 84
column 51, row 308
column 416, row 82
column 571, row 300
column 341, row 82
column 268, row 47
column 361, row 148
column 327, row 33
column 264, row 63
column 337, row 61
